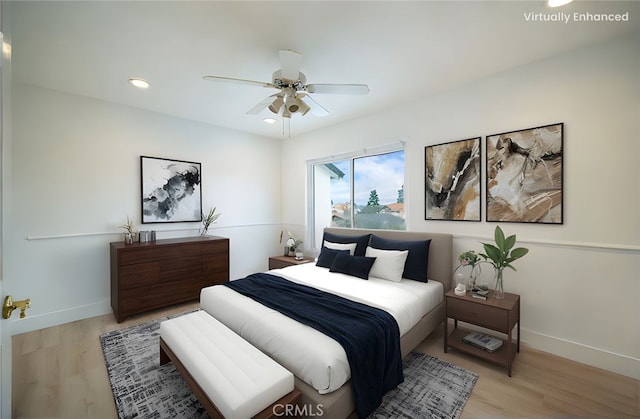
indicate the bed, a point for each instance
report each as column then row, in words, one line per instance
column 317, row 361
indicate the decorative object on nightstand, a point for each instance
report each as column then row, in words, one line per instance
column 483, row 341
column 500, row 316
column 291, row 244
column 207, row 220
column 460, row 279
column 500, row 256
column 469, row 259
column 480, row 291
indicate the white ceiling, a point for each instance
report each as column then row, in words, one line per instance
column 404, row 51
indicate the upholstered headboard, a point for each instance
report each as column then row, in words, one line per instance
column 440, row 249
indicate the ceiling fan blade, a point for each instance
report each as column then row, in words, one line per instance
column 241, row 81
column 338, row 89
column 262, row 105
column 315, row 107
column 290, row 62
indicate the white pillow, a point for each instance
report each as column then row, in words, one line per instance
column 351, row 247
column 389, row 264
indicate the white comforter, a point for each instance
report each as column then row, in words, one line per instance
column 310, row 355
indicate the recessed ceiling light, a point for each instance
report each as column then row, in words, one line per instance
column 558, row 3
column 141, row 83
column 269, row 120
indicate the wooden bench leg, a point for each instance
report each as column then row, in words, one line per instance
column 164, row 358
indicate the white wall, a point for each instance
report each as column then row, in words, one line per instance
column 74, row 176
column 579, row 284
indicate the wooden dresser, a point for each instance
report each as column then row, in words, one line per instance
column 146, row 276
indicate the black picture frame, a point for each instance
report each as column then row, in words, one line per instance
column 525, row 175
column 171, row 190
column 452, row 181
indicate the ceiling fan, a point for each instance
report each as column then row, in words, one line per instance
column 293, row 96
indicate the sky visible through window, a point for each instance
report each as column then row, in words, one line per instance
column 384, row 173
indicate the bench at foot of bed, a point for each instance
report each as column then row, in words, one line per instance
column 230, row 377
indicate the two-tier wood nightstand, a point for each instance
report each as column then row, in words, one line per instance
column 277, row 262
column 497, row 315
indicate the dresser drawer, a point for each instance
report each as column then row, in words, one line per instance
column 479, row 314
column 152, row 253
column 156, row 296
column 140, row 275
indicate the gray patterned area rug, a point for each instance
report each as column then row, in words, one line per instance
column 432, row 388
column 142, row 388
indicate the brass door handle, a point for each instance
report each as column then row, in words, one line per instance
column 9, row 305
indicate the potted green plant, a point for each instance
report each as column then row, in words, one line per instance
column 207, row 220
column 501, row 255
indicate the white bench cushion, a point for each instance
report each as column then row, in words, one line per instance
column 237, row 377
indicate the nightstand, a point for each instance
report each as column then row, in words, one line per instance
column 497, row 315
column 277, row 262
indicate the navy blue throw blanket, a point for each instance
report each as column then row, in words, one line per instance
column 370, row 336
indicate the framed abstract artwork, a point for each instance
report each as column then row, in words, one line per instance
column 525, row 175
column 171, row 190
column 452, row 181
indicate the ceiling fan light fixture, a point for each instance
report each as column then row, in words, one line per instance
column 290, row 102
column 276, row 105
column 303, row 108
column 296, row 105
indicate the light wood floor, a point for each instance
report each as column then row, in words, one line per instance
column 59, row 372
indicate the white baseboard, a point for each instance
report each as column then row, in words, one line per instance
column 596, row 357
column 36, row 322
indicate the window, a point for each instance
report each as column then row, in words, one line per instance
column 357, row 190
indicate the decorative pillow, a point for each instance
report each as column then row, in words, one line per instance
column 358, row 266
column 327, row 255
column 350, row 247
column 417, row 261
column 389, row 264
column 360, row 241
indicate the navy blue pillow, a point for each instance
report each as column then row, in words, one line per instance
column 326, row 256
column 361, row 241
column 417, row 261
column 358, row 266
